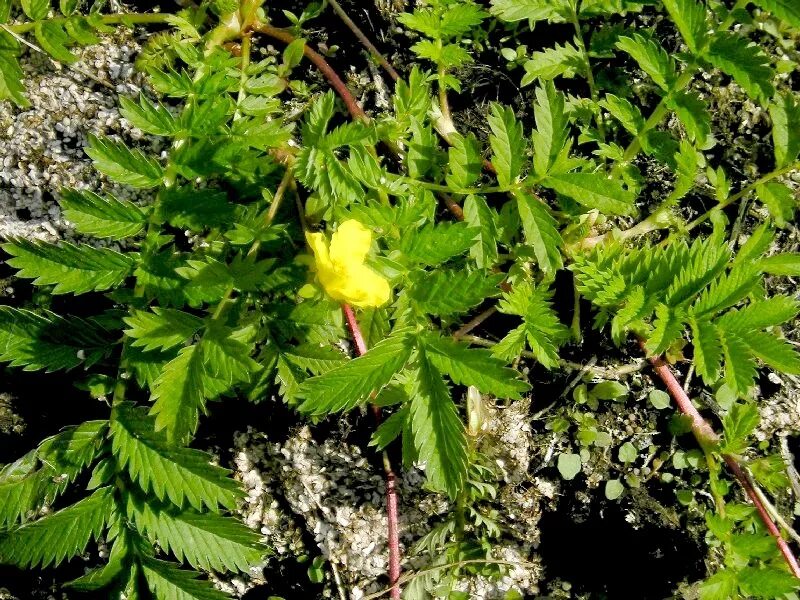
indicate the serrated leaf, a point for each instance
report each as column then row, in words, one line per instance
column 705, row 261
column 786, row 10
column 777, row 353
column 552, row 130
column 507, row 142
column 784, row 264
column 541, row 232
column 182, row 475
column 690, row 18
column 740, row 422
column 594, row 191
column 651, row 58
column 349, row 385
column 531, row 10
column 206, row 541
column 560, row 60
column 438, row 432
column 49, row 342
column 626, row 113
column 779, row 199
column 150, row 117
column 390, row 429
column 483, row 220
column 178, row 395
column 168, row 582
column 161, row 329
column 35, row 9
column 53, row 39
column 434, row 244
column 740, row 369
column 473, row 367
column 70, row 268
column 11, row 76
column 465, row 161
column 61, row 535
column 760, row 314
column 44, row 473
column 101, row 217
column 693, row 113
column 743, row 60
column 722, row 585
column 707, row 350
column 785, row 114
column 766, row 582
column 667, row 327
column 448, row 292
column 123, row 165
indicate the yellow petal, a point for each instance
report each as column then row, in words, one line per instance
column 363, row 287
column 319, row 246
column 350, row 243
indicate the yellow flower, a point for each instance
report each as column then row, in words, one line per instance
column 341, row 270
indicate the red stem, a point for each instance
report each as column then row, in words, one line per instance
column 706, row 436
column 391, row 490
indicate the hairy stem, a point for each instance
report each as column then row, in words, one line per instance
column 391, row 490
column 376, row 54
column 707, row 437
column 245, row 54
column 601, row 125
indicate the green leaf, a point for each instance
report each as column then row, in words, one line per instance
column 786, row 10
column 101, row 217
column 483, row 220
column 434, row 244
column 560, row 60
column 541, row 232
column 44, row 473
column 70, row 268
column 150, row 117
column 49, row 342
column 438, row 432
column 508, row 144
column 161, row 329
column 53, row 40
column 465, row 161
column 182, row 475
column 740, row 422
column 61, row 535
column 35, row 10
column 178, row 395
column 745, row 61
column 760, row 314
column 651, row 58
column 740, row 369
column 448, row 292
column 569, row 465
column 660, row 400
column 390, row 429
column 693, row 113
column 690, row 18
column 779, row 199
column 766, row 582
column 707, row 349
column 550, row 147
column 628, row 453
column 349, row 385
column 777, row 353
column 123, row 165
column 11, row 77
column 473, row 366
column 206, row 541
column 786, row 264
column 594, row 191
column 168, row 582
column 785, row 114
column 531, row 10
column 706, row 259
column 609, row 390
column 626, row 113
column 667, row 328
column 722, row 585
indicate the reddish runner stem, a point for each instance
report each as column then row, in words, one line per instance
column 706, row 436
column 391, row 489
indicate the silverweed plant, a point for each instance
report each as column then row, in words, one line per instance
column 286, row 216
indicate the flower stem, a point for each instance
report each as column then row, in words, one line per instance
column 707, row 437
column 391, row 490
column 120, row 19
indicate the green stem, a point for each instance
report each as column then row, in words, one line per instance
column 121, row 19
column 744, row 192
column 243, row 75
column 601, row 125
